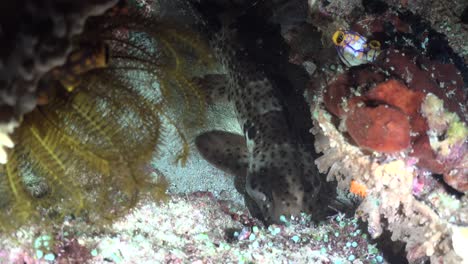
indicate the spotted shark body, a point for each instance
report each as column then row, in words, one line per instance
column 278, row 173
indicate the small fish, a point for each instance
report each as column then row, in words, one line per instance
column 278, row 174
column 354, row 49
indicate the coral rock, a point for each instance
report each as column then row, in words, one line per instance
column 371, row 24
column 424, row 86
column 404, row 88
column 427, row 158
column 423, row 75
column 458, row 179
column 36, row 37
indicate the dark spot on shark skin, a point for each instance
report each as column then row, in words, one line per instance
column 254, row 185
column 276, row 105
column 308, row 188
column 272, row 155
column 251, row 132
column 316, row 182
column 256, row 96
column 286, row 186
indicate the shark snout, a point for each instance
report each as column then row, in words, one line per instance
column 274, row 198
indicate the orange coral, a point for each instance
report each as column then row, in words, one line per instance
column 423, row 75
column 396, row 93
column 339, row 90
column 335, row 93
column 358, row 189
column 382, row 128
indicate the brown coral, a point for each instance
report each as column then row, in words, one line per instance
column 427, row 158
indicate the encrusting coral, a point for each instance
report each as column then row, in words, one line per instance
column 390, row 200
column 388, row 128
column 387, row 110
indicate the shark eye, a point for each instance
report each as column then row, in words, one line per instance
column 251, row 132
column 338, row 38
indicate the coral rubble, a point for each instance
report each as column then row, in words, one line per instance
column 198, row 228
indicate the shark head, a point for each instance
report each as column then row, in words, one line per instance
column 281, row 183
column 272, row 176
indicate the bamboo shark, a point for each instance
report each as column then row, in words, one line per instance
column 279, row 175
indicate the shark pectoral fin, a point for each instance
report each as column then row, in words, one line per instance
column 214, row 86
column 224, row 150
